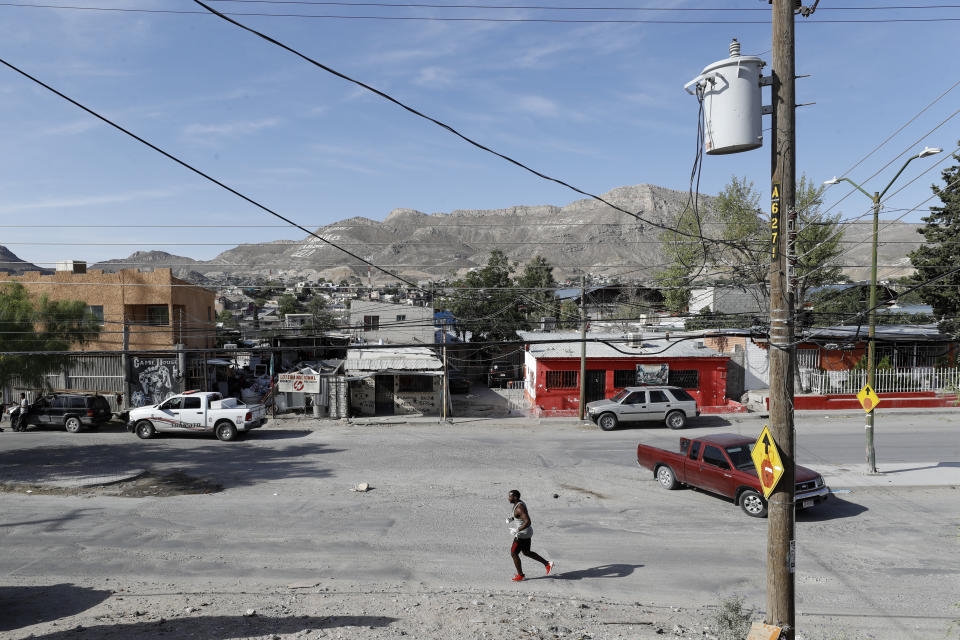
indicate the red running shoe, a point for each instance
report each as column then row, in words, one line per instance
column 549, row 567
column 518, row 577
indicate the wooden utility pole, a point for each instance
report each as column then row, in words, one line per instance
column 781, row 545
column 583, row 347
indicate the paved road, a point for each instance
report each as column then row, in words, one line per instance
column 878, row 559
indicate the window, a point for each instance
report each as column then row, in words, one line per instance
column 637, row 397
column 172, row 404
column 209, row 315
column 77, row 402
column 681, row 395
column 401, row 318
column 371, row 323
column 658, row 396
column 415, row 384
column 685, row 379
column 158, row 314
column 694, row 450
column 713, row 455
column 741, row 458
column 624, row 378
column 96, row 310
column 191, row 403
column 562, row 379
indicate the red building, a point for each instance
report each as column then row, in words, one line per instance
column 552, row 371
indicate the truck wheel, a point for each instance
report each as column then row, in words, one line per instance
column 607, row 422
column 145, row 430
column 666, row 478
column 225, row 431
column 676, row 419
column 72, row 424
column 753, row 504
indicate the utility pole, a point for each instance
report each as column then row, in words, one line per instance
column 583, row 346
column 781, row 545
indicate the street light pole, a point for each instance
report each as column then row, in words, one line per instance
column 872, row 331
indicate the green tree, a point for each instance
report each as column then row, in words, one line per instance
column 685, row 256
column 939, row 254
column 539, row 300
column 487, row 305
column 742, row 255
column 818, row 243
column 321, row 319
column 41, row 328
column 227, row 320
column 288, row 303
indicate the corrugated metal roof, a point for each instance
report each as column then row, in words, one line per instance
column 400, row 359
column 654, row 345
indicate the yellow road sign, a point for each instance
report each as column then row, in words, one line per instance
column 766, row 458
column 868, row 399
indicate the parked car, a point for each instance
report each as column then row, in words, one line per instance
column 458, row 382
column 501, row 375
column 673, row 405
column 721, row 463
column 197, row 412
column 73, row 411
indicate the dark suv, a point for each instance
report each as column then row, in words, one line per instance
column 71, row 410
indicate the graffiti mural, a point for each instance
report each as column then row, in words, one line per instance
column 154, row 380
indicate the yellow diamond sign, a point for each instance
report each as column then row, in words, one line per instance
column 868, row 399
column 766, row 458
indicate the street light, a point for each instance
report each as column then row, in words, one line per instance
column 871, row 345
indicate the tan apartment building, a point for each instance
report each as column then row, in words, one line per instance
column 158, row 310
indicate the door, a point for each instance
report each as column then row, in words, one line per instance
column 596, row 385
column 42, row 408
column 191, row 413
column 716, row 473
column 634, row 407
column 658, row 406
column 383, row 395
column 169, row 415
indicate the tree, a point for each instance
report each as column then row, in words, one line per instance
column 41, row 328
column 938, row 255
column 737, row 249
column 288, row 303
column 321, row 319
column 487, row 306
column 539, row 300
column 227, row 320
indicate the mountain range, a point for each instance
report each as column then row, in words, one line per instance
column 585, row 235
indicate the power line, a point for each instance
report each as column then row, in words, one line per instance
column 200, row 173
column 471, row 19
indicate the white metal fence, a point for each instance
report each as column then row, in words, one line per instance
column 885, row 380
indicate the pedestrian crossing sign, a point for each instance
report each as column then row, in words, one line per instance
column 766, row 458
column 868, row 399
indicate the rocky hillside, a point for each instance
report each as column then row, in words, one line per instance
column 13, row 265
column 583, row 235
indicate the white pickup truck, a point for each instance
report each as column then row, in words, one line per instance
column 197, row 412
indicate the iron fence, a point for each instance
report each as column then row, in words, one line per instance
column 885, row 380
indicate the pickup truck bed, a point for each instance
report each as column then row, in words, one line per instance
column 721, row 464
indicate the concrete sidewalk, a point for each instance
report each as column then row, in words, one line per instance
column 892, row 474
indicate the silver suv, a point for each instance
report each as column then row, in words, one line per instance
column 673, row 405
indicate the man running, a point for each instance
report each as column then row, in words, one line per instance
column 522, row 530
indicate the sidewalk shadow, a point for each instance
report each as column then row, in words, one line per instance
column 833, row 509
column 939, row 465
column 24, row 606
column 220, row 627
column 603, row 571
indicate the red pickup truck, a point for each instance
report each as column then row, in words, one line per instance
column 721, row 464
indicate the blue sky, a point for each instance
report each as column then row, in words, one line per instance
column 596, row 105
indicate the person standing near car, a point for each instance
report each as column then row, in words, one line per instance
column 522, row 529
column 17, row 419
